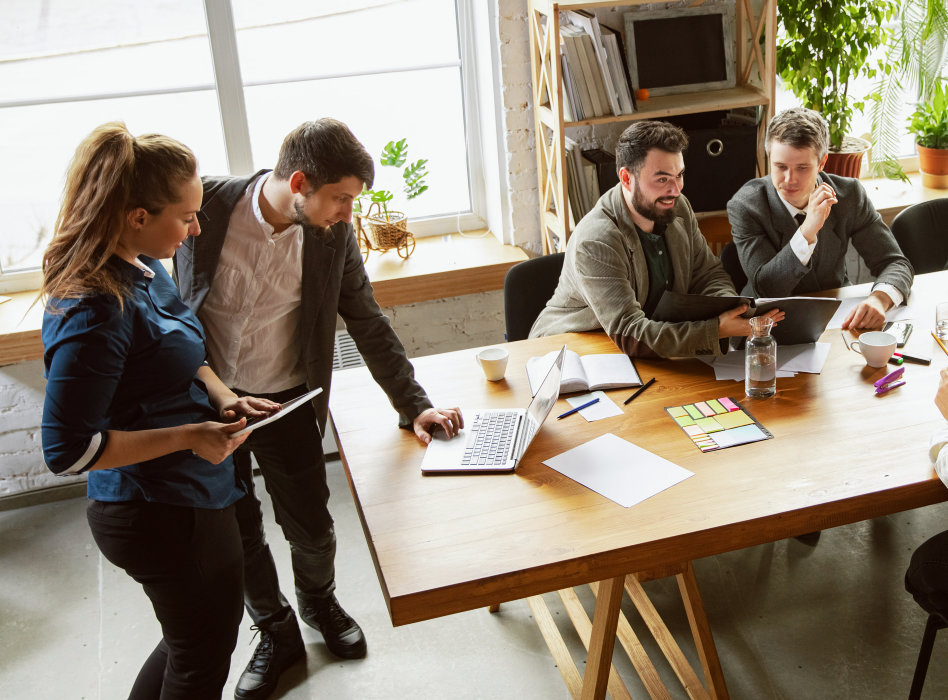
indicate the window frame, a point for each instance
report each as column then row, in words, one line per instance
column 229, row 88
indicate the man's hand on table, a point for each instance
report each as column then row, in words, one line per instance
column 870, row 314
column 449, row 420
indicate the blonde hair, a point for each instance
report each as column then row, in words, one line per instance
column 111, row 173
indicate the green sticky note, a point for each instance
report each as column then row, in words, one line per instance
column 716, row 406
column 685, row 420
column 676, row 411
column 708, row 425
column 693, row 412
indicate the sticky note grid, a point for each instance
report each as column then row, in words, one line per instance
column 718, row 423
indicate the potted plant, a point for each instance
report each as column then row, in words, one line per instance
column 916, row 57
column 823, row 46
column 929, row 125
column 389, row 228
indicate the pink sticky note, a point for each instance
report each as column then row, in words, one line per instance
column 728, row 404
column 705, row 409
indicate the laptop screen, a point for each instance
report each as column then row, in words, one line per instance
column 542, row 403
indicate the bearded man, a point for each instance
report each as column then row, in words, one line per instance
column 640, row 239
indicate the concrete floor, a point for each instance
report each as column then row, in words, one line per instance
column 789, row 621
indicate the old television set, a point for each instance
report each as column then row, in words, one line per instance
column 687, row 49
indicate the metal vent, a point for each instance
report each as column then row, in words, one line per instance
column 346, row 354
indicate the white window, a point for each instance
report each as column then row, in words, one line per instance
column 388, row 69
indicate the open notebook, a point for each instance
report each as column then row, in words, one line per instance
column 495, row 439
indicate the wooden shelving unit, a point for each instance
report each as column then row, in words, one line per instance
column 755, row 37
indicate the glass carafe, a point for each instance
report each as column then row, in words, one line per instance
column 760, row 361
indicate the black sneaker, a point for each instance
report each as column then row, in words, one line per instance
column 342, row 634
column 277, row 650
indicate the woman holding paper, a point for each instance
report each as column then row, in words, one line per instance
column 129, row 400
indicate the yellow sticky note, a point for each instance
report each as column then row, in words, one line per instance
column 676, row 411
column 734, row 419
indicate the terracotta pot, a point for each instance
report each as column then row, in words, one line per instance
column 848, row 161
column 933, row 164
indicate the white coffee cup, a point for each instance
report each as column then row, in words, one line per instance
column 877, row 347
column 494, row 363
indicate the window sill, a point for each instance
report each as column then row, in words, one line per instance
column 440, row 266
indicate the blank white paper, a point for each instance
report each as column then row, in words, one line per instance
column 618, row 470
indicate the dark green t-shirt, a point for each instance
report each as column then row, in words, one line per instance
column 660, row 272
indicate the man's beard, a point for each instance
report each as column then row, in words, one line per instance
column 650, row 210
column 299, row 217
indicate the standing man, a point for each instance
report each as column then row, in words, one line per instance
column 792, row 229
column 277, row 262
column 640, row 239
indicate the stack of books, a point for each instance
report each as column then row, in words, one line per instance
column 590, row 174
column 595, row 78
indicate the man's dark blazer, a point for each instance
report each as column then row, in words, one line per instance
column 334, row 281
column 762, row 228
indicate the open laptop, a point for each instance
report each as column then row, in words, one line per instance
column 496, row 438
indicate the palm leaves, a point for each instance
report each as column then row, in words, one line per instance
column 916, row 57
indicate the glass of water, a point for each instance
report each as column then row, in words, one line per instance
column 941, row 320
column 760, row 359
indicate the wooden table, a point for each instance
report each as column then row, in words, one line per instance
column 447, row 544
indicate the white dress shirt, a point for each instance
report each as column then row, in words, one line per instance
column 252, row 311
column 803, row 249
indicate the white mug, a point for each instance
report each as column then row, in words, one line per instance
column 877, row 347
column 494, row 363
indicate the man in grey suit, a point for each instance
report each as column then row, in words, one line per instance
column 792, row 229
column 276, row 265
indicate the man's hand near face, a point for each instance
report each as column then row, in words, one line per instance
column 817, row 210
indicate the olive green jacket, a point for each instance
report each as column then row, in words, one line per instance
column 604, row 283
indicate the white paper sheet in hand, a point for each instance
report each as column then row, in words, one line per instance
column 618, row 470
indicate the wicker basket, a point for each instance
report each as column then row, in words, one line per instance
column 376, row 231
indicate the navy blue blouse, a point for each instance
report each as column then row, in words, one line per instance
column 131, row 369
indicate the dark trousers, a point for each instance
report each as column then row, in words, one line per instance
column 927, row 575
column 189, row 562
column 289, row 453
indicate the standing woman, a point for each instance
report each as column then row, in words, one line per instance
column 130, row 400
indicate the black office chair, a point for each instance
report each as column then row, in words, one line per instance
column 527, row 287
column 732, row 265
column 921, row 231
column 927, row 580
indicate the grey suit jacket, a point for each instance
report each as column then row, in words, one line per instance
column 762, row 228
column 334, row 282
column 604, row 283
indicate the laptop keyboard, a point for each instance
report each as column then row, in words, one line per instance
column 490, row 440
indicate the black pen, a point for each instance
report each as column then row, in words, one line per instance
column 640, row 390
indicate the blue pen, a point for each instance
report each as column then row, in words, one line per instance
column 578, row 408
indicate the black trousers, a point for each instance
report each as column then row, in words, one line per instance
column 289, row 453
column 189, row 562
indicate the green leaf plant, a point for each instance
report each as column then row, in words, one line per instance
column 395, row 154
column 916, row 57
column 824, row 45
column 929, row 122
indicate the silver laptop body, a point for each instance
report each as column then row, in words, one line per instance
column 495, row 439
